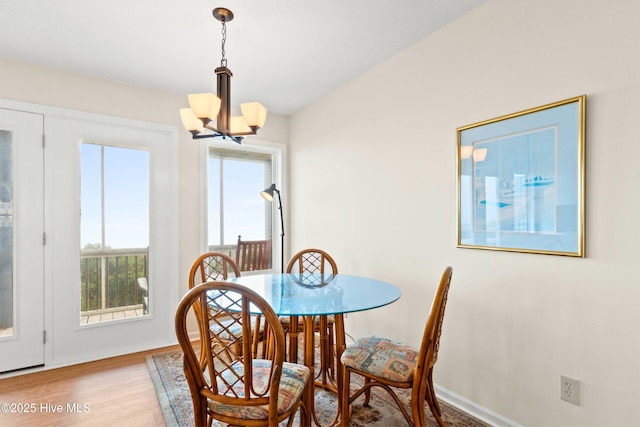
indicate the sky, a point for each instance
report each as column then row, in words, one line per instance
column 244, row 208
column 126, row 198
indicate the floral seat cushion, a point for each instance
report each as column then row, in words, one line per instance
column 382, row 357
column 232, row 330
column 292, row 383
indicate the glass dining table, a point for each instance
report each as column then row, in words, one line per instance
column 318, row 296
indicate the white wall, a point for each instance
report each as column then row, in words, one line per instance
column 373, row 181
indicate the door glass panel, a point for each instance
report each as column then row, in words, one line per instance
column 6, row 235
column 114, row 233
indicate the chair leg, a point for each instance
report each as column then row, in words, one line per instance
column 432, row 401
column 367, row 392
column 332, row 354
column 306, row 418
column 417, row 410
column 345, row 411
column 200, row 413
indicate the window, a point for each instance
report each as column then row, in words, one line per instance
column 114, row 232
column 235, row 178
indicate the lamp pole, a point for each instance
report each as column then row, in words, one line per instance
column 267, row 194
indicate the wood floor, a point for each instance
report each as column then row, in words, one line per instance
column 110, row 392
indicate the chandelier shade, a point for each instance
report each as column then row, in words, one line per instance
column 190, row 121
column 204, row 105
column 209, row 115
column 254, row 113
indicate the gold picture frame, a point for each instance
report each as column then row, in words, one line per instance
column 521, row 181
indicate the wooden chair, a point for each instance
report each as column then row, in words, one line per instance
column 389, row 364
column 313, row 261
column 234, row 387
column 253, row 255
column 216, row 266
column 212, row 266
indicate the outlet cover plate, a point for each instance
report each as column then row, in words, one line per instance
column 570, row 390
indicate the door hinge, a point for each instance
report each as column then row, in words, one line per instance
column 44, row 337
column 44, row 239
column 43, row 140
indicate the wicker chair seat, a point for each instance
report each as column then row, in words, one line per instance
column 292, row 384
column 382, row 358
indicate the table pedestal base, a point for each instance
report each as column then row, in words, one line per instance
column 329, row 376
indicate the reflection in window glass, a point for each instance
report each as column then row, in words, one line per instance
column 6, row 234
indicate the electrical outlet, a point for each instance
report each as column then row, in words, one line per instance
column 570, row 390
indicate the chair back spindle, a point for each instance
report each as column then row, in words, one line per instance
column 252, row 255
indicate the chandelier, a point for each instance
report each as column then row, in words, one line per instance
column 209, row 116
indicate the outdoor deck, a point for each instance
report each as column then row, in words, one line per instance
column 87, row 318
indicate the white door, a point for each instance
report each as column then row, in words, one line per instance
column 21, row 240
column 111, row 185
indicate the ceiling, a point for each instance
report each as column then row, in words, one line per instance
column 283, row 53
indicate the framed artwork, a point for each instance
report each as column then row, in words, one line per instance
column 521, row 181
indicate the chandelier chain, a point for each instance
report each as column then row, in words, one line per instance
column 223, row 61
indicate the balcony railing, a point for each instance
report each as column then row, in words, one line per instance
column 109, row 278
column 225, row 249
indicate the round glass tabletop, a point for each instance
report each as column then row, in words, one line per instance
column 294, row 294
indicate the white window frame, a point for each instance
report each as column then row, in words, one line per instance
column 278, row 170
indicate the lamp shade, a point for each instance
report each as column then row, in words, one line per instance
column 205, row 105
column 267, row 193
column 237, row 125
column 254, row 113
column 190, row 121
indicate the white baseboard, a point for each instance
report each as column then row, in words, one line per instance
column 473, row 409
column 91, row 358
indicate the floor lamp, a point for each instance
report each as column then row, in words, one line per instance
column 267, row 194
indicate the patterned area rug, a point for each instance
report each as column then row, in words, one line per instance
column 175, row 400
